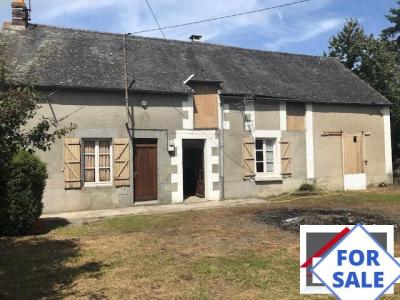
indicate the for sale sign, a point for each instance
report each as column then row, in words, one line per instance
column 356, row 262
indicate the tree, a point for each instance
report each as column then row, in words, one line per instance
column 393, row 32
column 20, row 130
column 349, row 44
column 376, row 61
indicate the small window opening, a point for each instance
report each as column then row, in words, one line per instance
column 354, row 139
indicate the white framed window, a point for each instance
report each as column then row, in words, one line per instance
column 97, row 162
column 267, row 158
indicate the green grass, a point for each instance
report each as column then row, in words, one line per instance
column 215, row 254
column 122, row 225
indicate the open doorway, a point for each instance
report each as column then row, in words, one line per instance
column 193, row 168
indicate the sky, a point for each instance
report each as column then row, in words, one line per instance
column 303, row 28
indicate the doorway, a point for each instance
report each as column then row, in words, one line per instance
column 146, row 169
column 193, row 168
column 355, row 177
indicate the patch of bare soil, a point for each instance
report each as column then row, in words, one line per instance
column 292, row 218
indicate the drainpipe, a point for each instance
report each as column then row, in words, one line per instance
column 221, row 151
column 130, row 122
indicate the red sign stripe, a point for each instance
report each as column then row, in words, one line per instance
column 326, row 247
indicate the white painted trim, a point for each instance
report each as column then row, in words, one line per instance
column 267, row 134
column 309, row 141
column 209, row 160
column 97, row 181
column 355, row 182
column 189, row 78
column 187, row 123
column 270, row 134
column 388, row 141
column 227, row 124
column 282, row 115
column 249, row 111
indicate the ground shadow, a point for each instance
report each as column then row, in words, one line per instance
column 33, row 268
column 45, row 225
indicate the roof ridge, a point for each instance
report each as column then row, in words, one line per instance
column 180, row 41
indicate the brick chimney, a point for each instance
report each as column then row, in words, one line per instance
column 20, row 13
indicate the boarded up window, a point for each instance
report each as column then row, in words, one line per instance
column 248, row 163
column 353, row 145
column 121, row 162
column 205, row 106
column 295, row 113
column 286, row 157
column 72, row 163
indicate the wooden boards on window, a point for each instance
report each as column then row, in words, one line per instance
column 205, row 104
column 295, row 113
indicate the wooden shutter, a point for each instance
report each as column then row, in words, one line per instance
column 205, row 106
column 248, row 163
column 295, row 113
column 72, row 163
column 286, row 157
column 353, row 154
column 121, row 162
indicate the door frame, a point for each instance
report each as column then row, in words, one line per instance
column 211, row 141
column 152, row 143
column 356, row 181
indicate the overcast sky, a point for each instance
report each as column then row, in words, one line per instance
column 302, row 28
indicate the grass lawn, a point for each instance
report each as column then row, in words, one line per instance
column 216, row 254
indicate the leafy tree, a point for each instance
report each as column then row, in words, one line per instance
column 376, row 61
column 21, row 129
column 393, row 32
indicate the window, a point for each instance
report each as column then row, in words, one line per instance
column 265, row 156
column 97, row 161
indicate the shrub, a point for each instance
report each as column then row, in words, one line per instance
column 22, row 205
column 307, row 187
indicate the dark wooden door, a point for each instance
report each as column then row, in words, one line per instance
column 145, row 169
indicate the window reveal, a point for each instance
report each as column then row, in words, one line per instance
column 97, row 161
column 265, row 153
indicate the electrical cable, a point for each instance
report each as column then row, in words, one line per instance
column 219, row 18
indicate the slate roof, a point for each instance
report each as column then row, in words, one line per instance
column 85, row 59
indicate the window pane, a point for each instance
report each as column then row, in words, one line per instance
column 260, row 167
column 259, row 144
column 89, row 175
column 89, row 147
column 259, row 156
column 269, row 145
column 270, row 167
column 104, row 160
column 89, row 161
column 269, row 156
column 104, row 146
column 104, row 174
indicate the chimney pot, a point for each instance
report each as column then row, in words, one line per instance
column 20, row 14
column 195, row 38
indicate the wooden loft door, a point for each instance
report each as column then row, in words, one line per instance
column 146, row 169
column 205, row 106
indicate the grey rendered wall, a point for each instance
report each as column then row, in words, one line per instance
column 103, row 115
column 328, row 151
column 267, row 118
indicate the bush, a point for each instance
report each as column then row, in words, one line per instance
column 307, row 187
column 22, row 205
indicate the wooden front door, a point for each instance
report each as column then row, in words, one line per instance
column 145, row 169
column 354, row 176
column 353, row 153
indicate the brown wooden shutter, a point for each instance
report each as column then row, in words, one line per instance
column 248, row 163
column 286, row 157
column 121, row 162
column 72, row 163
